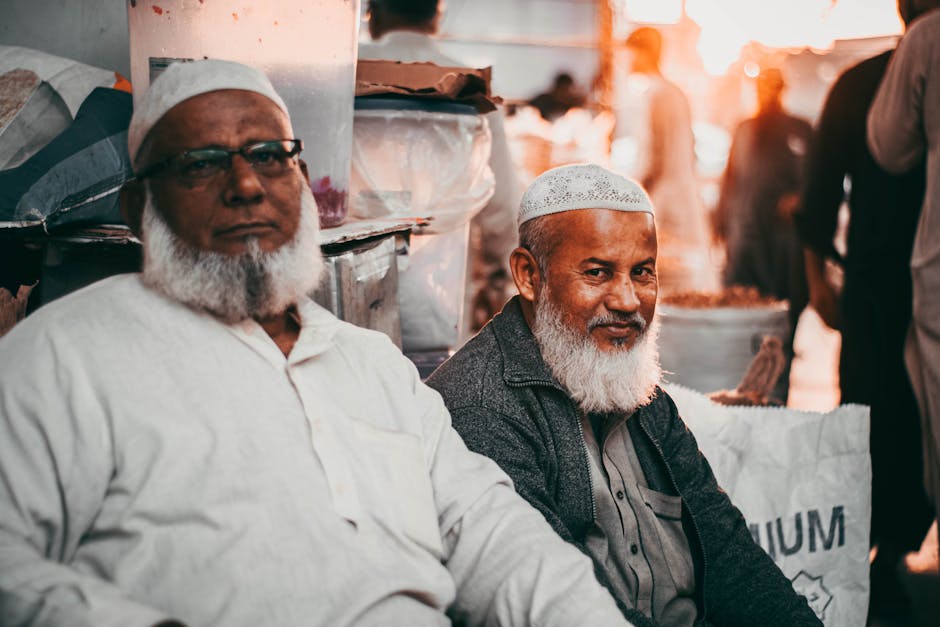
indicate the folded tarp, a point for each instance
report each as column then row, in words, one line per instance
column 31, row 114
column 75, row 178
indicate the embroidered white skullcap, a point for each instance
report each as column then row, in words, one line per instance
column 582, row 186
column 184, row 80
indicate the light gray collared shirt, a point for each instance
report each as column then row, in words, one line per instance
column 637, row 534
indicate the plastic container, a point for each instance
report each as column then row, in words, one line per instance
column 423, row 158
column 428, row 159
column 306, row 47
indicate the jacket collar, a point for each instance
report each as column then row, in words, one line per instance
column 522, row 359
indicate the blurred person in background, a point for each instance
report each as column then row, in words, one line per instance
column 759, row 194
column 563, row 95
column 904, row 129
column 403, row 30
column 873, row 311
column 655, row 113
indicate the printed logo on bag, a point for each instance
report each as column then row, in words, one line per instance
column 776, row 532
column 803, row 483
column 816, row 594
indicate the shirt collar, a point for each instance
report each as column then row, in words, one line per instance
column 412, row 39
column 318, row 328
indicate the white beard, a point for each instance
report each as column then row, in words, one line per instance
column 597, row 380
column 254, row 284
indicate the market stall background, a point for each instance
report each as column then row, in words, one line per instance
column 713, row 49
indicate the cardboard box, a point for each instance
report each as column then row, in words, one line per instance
column 465, row 85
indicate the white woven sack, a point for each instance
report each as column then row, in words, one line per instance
column 803, row 482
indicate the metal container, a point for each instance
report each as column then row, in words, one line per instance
column 361, row 284
column 710, row 349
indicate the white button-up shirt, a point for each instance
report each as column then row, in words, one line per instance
column 156, row 463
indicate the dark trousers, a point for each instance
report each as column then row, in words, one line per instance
column 876, row 313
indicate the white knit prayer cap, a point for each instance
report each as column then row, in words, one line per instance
column 184, row 80
column 582, row 186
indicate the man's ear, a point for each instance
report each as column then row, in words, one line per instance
column 525, row 273
column 303, row 170
column 132, row 199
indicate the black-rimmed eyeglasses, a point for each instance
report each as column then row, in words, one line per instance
column 270, row 158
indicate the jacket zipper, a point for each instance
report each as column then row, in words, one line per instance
column 587, row 459
column 584, row 448
column 698, row 533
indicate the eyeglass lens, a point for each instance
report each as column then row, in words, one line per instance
column 268, row 158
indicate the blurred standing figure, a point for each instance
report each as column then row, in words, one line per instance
column 660, row 120
column 403, row 30
column 903, row 127
column 563, row 95
column 759, row 193
column 874, row 309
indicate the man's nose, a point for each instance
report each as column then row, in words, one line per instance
column 242, row 183
column 621, row 296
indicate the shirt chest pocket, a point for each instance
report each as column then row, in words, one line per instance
column 664, row 506
column 667, row 518
column 395, row 485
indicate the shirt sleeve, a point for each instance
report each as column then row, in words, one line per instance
column 55, row 464
column 516, row 454
column 895, row 122
column 509, row 566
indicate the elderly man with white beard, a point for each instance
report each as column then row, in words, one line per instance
column 562, row 390
column 201, row 444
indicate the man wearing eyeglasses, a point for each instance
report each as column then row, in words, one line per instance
column 201, row 444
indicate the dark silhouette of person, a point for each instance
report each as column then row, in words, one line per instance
column 874, row 309
column 563, row 95
column 759, row 193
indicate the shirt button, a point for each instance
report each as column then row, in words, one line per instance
column 634, row 549
column 620, row 494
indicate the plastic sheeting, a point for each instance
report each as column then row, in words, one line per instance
column 427, row 160
column 76, row 177
column 54, row 169
column 414, row 158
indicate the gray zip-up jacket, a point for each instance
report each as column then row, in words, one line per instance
column 506, row 405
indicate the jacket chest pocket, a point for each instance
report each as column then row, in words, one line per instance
column 395, row 485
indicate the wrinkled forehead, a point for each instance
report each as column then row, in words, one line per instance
column 182, row 81
column 226, row 118
column 602, row 233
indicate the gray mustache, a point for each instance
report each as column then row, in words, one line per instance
column 634, row 319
